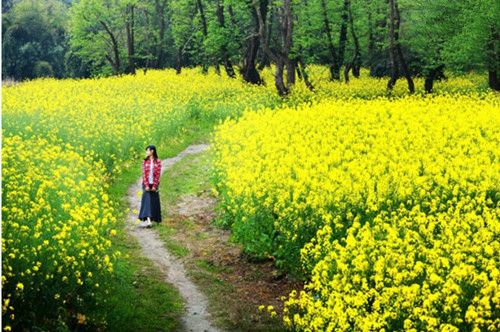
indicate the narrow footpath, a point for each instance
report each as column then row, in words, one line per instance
column 196, row 317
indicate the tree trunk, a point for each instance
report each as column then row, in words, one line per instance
column 202, row 16
column 342, row 38
column 303, row 74
column 231, row 15
column 179, row 60
column 129, row 27
column 115, row 64
column 265, row 60
column 278, row 77
column 278, row 59
column 148, row 44
column 493, row 80
column 371, row 38
column 395, row 73
column 217, row 66
column 334, row 73
column 406, row 72
column 431, row 77
column 286, row 33
column 494, row 66
column 299, row 73
column 160, row 9
column 291, row 66
column 205, row 33
column 376, row 53
column 228, row 65
column 355, row 63
column 248, row 70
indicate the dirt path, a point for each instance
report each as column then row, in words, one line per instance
column 196, row 318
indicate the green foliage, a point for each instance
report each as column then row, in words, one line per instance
column 477, row 43
column 456, row 34
column 92, row 22
column 74, row 37
column 34, row 39
column 43, row 69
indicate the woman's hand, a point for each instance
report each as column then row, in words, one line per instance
column 154, row 189
column 147, row 189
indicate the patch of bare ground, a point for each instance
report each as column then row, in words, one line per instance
column 235, row 284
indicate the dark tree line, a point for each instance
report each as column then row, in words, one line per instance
column 393, row 38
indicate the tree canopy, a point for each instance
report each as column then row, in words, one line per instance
column 395, row 38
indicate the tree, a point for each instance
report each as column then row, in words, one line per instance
column 183, row 26
column 96, row 32
column 476, row 45
column 355, row 63
column 130, row 5
column 34, row 39
column 394, row 45
column 281, row 56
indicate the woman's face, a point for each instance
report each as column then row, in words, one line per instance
column 149, row 152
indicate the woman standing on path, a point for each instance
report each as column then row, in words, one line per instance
column 150, row 203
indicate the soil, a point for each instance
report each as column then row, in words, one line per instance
column 196, row 317
column 248, row 283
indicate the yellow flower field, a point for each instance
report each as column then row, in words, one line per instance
column 65, row 142
column 389, row 207
column 56, row 226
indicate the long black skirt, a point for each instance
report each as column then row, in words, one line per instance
column 150, row 205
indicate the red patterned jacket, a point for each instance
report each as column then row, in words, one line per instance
column 146, row 165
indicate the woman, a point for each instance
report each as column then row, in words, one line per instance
column 150, row 204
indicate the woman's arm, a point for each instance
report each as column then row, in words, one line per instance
column 156, row 181
column 144, row 178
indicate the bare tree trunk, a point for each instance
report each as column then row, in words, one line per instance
column 148, row 44
column 342, row 38
column 115, row 64
column 228, row 65
column 375, row 39
column 371, row 38
column 355, row 63
column 494, row 67
column 231, row 15
column 248, row 70
column 129, row 27
column 217, row 66
column 265, row 60
column 286, row 33
column 160, row 9
column 431, row 76
column 395, row 73
column 333, row 70
column 493, row 80
column 202, row 15
column 179, row 60
column 303, row 74
column 291, row 66
column 278, row 59
column 180, row 51
column 406, row 72
column 278, row 77
column 205, row 33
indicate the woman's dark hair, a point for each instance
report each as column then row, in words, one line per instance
column 152, row 147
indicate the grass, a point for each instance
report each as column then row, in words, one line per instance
column 188, row 177
column 142, row 294
column 142, row 300
column 173, row 247
column 183, row 178
column 229, row 304
column 194, row 132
